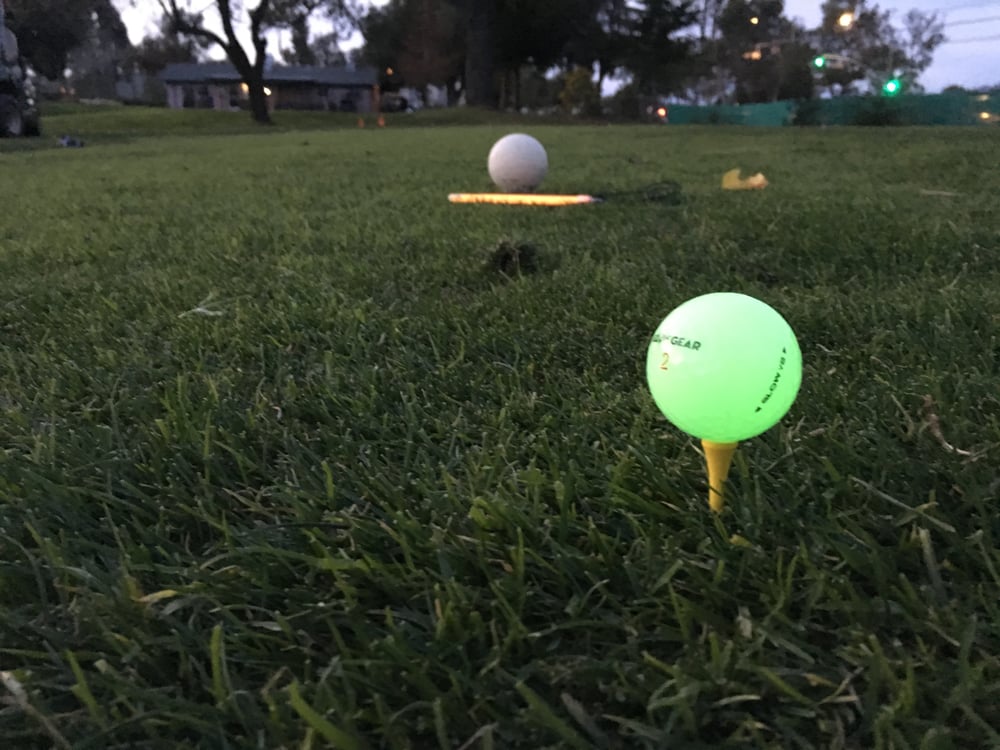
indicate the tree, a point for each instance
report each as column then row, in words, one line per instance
column 326, row 50
column 432, row 50
column 923, row 33
column 480, row 53
column 707, row 14
column 421, row 41
column 301, row 53
column 796, row 74
column 535, row 34
column 707, row 78
column 481, row 42
column 580, row 94
column 638, row 36
column 97, row 62
column 599, row 38
column 264, row 15
column 478, row 43
column 654, row 53
column 155, row 52
column 873, row 48
column 383, row 29
column 766, row 54
column 614, row 32
column 296, row 16
column 48, row 30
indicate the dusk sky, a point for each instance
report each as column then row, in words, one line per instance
column 967, row 63
column 970, row 57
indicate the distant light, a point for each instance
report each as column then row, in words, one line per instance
column 985, row 115
column 819, row 61
column 892, row 86
column 244, row 88
column 755, row 20
column 267, row 91
column 388, row 71
column 846, row 20
column 662, row 112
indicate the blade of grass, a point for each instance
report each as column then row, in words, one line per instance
column 547, row 718
column 332, row 734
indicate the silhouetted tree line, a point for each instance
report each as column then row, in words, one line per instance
column 495, row 53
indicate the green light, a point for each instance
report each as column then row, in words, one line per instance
column 892, row 87
column 820, row 61
column 724, row 367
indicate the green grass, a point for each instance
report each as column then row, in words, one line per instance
column 282, row 465
column 103, row 124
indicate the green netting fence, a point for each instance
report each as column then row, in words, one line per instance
column 931, row 109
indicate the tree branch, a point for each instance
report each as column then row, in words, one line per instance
column 257, row 17
column 182, row 25
column 226, row 14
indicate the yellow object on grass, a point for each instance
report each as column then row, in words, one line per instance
column 522, row 199
column 731, row 180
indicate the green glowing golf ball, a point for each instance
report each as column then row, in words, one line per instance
column 724, row 367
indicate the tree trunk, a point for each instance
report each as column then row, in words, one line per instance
column 258, row 103
column 507, row 95
column 479, row 59
column 304, row 54
column 253, row 75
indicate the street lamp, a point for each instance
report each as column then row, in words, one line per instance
column 755, row 20
column 846, row 20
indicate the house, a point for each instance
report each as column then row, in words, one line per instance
column 217, row 85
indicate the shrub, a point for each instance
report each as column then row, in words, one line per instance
column 878, row 112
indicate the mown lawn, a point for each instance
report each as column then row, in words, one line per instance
column 286, row 463
column 103, row 124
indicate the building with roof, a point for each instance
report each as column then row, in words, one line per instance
column 217, row 85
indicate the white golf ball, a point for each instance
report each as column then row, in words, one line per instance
column 518, row 163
